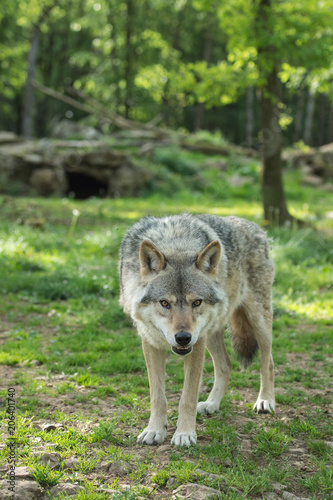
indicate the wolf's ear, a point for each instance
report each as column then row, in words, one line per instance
column 151, row 259
column 209, row 258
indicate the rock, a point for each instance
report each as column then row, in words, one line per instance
column 51, row 459
column 49, row 427
column 33, row 159
column 208, row 475
column 23, row 490
column 290, row 496
column 171, row 482
column 9, row 137
column 238, row 181
column 227, row 463
column 37, row 424
column 195, row 492
column 22, row 473
column 15, row 174
column 53, row 427
column 312, row 180
column 35, row 362
column 104, row 158
column 72, row 464
column 66, row 488
column 120, row 468
column 128, row 181
column 147, row 149
column 278, row 487
column 246, row 448
column 47, row 149
column 217, row 461
column 67, row 129
column 41, row 168
column 113, row 173
column 314, row 162
column 47, row 181
column 297, row 451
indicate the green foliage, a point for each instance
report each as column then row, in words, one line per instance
column 131, row 56
column 104, row 430
column 45, row 475
column 271, row 441
column 175, row 162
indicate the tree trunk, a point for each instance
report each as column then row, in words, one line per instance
column 324, row 106
column 249, row 117
column 29, row 104
column 29, row 92
column 129, row 58
column 309, row 117
column 330, row 125
column 207, row 57
column 115, row 67
column 273, row 196
column 299, row 115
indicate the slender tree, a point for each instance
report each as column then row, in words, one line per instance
column 129, row 56
column 207, row 57
column 29, row 104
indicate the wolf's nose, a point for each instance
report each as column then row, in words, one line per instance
column 183, row 338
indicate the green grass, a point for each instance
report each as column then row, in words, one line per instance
column 45, row 475
column 75, row 360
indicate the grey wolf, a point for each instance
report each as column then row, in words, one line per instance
column 183, row 279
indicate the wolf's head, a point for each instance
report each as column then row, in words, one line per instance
column 181, row 298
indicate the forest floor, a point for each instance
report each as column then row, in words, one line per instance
column 73, row 376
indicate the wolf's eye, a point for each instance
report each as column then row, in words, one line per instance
column 165, row 303
column 196, row 303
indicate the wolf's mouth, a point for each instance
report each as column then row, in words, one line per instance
column 182, row 351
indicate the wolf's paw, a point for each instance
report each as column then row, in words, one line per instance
column 207, row 408
column 184, row 438
column 264, row 406
column 150, row 436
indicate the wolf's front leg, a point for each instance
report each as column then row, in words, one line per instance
column 156, row 431
column 222, row 368
column 185, row 434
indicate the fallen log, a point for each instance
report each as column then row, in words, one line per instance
column 9, row 138
column 213, row 149
column 93, row 107
column 131, row 129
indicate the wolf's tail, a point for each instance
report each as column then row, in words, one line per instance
column 243, row 339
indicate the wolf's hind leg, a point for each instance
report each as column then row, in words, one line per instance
column 222, row 368
column 251, row 326
column 266, row 398
column 261, row 319
column 155, row 433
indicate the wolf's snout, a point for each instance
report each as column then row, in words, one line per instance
column 183, row 338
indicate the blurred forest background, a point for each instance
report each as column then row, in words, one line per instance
column 194, row 64
column 256, row 74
